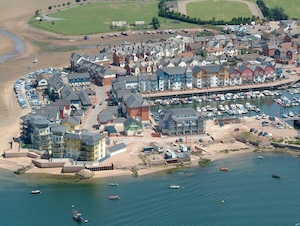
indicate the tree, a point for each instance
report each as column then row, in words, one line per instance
column 69, row 3
column 63, row 4
column 155, row 23
column 50, row 7
column 37, row 13
column 277, row 13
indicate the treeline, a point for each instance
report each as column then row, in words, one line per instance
column 167, row 13
column 276, row 13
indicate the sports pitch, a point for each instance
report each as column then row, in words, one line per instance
column 220, row 10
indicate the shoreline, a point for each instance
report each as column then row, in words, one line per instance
column 56, row 175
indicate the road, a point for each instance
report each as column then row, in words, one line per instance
column 91, row 117
column 255, row 11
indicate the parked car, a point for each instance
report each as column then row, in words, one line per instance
column 260, row 133
column 265, row 134
column 252, row 130
column 271, row 118
column 256, row 131
column 236, row 129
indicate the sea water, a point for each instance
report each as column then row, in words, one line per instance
column 250, row 196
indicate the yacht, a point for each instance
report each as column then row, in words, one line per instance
column 221, row 107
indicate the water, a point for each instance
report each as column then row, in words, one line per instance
column 266, row 104
column 18, row 43
column 251, row 195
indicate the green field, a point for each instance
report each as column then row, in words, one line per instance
column 291, row 7
column 220, row 10
column 97, row 17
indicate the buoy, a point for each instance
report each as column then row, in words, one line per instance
column 223, row 201
column 86, row 221
column 72, row 206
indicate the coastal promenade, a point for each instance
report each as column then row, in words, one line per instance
column 195, row 91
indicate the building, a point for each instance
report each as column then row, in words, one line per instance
column 79, row 81
column 133, row 105
column 181, row 121
column 132, row 127
column 57, row 139
column 174, row 78
column 84, row 146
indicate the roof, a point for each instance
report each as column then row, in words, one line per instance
column 84, row 98
column 79, row 75
column 135, row 100
column 70, row 119
column 129, row 121
column 116, row 147
column 111, row 129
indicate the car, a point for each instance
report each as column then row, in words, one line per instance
column 173, row 145
column 252, row 130
column 271, row 118
column 200, row 140
column 101, row 102
column 264, row 123
column 256, row 131
column 265, row 134
column 236, row 129
column 93, row 106
column 260, row 133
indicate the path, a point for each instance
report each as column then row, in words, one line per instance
column 255, row 11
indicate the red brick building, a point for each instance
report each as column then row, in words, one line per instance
column 133, row 105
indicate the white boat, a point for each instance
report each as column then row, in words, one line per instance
column 285, row 116
column 198, row 109
column 257, row 117
column 263, row 116
column 113, row 184
column 35, row 192
column 174, row 186
column 291, row 114
column 221, row 107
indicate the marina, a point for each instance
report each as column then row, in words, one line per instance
column 263, row 104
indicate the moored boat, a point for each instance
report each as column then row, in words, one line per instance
column 224, row 169
column 77, row 216
column 113, row 184
column 35, row 192
column 114, row 197
column 261, row 157
column 276, row 176
column 174, row 186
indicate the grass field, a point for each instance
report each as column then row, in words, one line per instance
column 97, row 17
column 291, row 7
column 221, row 10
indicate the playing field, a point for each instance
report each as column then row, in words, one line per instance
column 220, row 10
column 291, row 7
column 97, row 17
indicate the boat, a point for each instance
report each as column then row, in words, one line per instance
column 113, row 184
column 77, row 216
column 174, row 187
column 114, row 197
column 261, row 157
column 34, row 192
column 224, row 169
column 276, row 176
column 180, row 173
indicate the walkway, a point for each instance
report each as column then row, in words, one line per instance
column 291, row 80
